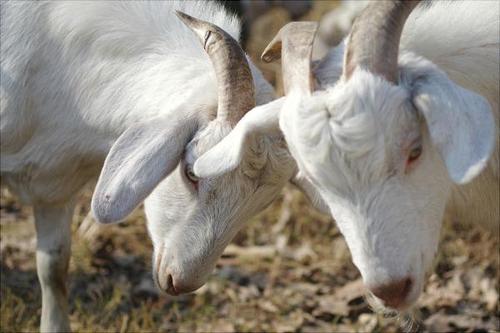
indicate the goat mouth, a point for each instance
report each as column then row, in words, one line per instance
column 379, row 306
column 166, row 285
column 407, row 317
column 388, row 309
column 171, row 287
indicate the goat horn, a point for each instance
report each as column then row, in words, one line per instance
column 234, row 79
column 374, row 40
column 294, row 44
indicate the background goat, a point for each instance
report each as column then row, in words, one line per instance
column 388, row 140
column 130, row 83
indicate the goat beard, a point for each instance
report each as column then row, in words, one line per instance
column 408, row 320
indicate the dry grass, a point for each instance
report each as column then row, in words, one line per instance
column 288, row 270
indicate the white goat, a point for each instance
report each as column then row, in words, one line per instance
column 129, row 85
column 389, row 140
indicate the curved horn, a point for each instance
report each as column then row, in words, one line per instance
column 294, row 44
column 374, row 40
column 234, row 79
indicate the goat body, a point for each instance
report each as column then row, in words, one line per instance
column 76, row 77
column 71, row 84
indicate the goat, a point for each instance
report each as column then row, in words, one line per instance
column 399, row 128
column 128, row 88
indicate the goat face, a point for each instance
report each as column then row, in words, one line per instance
column 191, row 220
column 382, row 157
column 361, row 151
column 383, row 145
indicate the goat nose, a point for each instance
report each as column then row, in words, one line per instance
column 394, row 293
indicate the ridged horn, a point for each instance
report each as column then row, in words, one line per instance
column 235, row 85
column 374, row 40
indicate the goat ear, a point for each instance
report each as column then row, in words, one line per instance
column 311, row 192
column 294, row 43
column 141, row 157
column 460, row 124
column 272, row 51
column 229, row 152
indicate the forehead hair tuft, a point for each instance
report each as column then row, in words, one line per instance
column 361, row 114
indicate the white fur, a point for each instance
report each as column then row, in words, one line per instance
column 351, row 140
column 84, row 79
column 260, row 121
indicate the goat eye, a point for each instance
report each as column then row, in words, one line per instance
column 190, row 174
column 414, row 154
column 207, row 36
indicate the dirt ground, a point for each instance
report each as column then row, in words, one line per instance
column 288, row 270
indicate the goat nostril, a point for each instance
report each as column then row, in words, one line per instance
column 170, row 286
column 407, row 286
column 394, row 293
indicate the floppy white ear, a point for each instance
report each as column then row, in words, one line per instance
column 460, row 123
column 311, row 192
column 228, row 153
column 141, row 157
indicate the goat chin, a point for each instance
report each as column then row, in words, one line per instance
column 408, row 320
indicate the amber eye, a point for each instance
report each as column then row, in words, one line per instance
column 190, row 174
column 414, row 154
